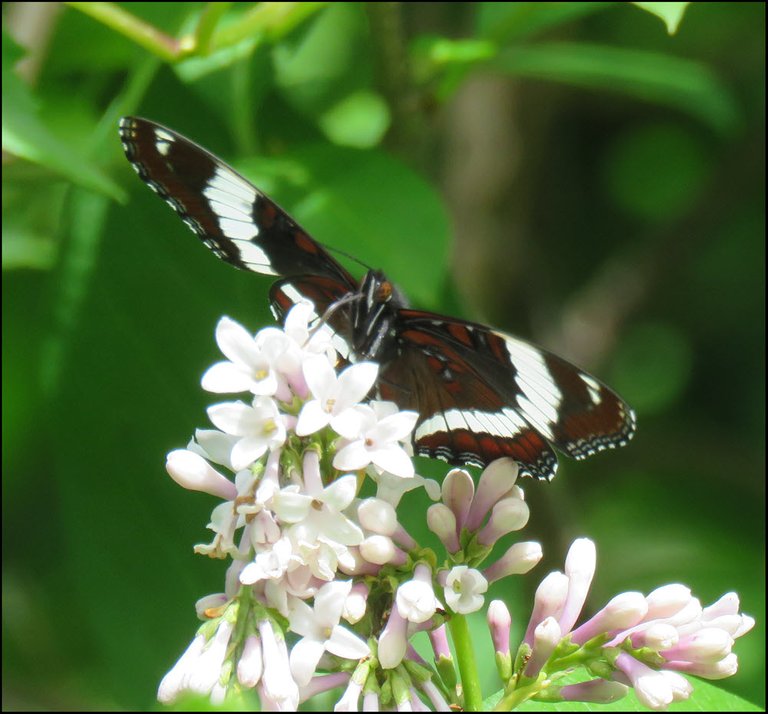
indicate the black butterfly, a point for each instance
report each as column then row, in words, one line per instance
column 481, row 394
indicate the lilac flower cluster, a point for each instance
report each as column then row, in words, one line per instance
column 326, row 588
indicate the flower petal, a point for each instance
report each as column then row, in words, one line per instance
column 344, row 644
column 305, row 655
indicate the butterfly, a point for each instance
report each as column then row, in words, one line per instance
column 481, row 394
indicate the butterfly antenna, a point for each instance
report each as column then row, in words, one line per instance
column 332, row 308
column 330, row 249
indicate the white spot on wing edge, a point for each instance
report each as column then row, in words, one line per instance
column 163, row 141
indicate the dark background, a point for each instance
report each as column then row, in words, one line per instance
column 575, row 176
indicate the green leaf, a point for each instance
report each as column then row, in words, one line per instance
column 324, row 62
column 359, row 120
column 505, row 21
column 25, row 136
column 368, row 205
column 706, row 697
column 671, row 13
column 679, row 83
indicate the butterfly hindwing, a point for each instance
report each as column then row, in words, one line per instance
column 483, row 394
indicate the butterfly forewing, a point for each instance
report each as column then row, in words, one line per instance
column 233, row 218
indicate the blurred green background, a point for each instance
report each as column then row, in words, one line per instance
column 579, row 174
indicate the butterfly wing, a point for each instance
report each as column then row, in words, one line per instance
column 483, row 394
column 233, row 218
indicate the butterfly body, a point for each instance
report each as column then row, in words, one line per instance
column 481, row 394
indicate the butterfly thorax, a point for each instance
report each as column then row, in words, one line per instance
column 374, row 317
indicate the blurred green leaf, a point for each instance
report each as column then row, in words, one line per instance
column 32, row 210
column 326, row 60
column 679, row 83
column 505, row 21
column 652, row 367
column 657, row 171
column 87, row 217
column 431, row 54
column 273, row 19
column 25, row 136
column 359, row 120
column 671, row 13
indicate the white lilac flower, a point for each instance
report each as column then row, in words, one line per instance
column 333, row 394
column 392, row 488
column 373, row 434
column 312, row 339
column 249, row 365
column 320, row 631
column 269, row 564
column 259, row 426
column 464, row 589
column 415, row 599
column 213, row 445
column 317, row 527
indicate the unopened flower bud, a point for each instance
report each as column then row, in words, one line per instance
column 377, row 516
column 519, row 559
column 193, row 472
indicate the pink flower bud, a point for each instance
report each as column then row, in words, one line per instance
column 442, row 522
column 496, row 482
column 580, row 566
column 599, row 691
column 546, row 636
column 519, row 559
column 458, row 490
column 499, row 622
column 193, row 472
column 549, row 600
column 509, row 514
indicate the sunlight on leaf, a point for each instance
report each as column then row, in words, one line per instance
column 670, row 13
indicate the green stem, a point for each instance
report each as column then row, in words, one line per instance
column 149, row 37
column 465, row 655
